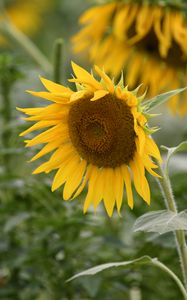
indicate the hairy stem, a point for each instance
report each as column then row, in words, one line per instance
column 166, row 190
column 161, row 266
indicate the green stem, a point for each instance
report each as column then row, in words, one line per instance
column 135, row 294
column 161, row 266
column 166, row 189
column 5, row 88
column 58, row 59
column 8, row 28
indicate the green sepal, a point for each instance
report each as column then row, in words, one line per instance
column 151, row 130
column 121, row 81
column 79, row 87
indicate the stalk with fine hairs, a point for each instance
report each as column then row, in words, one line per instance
column 166, row 189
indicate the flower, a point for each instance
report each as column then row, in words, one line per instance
column 26, row 15
column 100, row 138
column 148, row 40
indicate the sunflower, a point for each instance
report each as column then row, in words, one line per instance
column 148, row 40
column 99, row 137
column 26, row 15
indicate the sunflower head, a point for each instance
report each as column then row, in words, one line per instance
column 99, row 137
column 147, row 38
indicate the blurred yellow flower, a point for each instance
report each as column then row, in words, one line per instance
column 149, row 41
column 99, row 136
column 26, row 15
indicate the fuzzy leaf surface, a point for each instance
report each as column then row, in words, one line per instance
column 162, row 221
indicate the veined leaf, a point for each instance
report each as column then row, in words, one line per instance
column 100, row 268
column 161, row 221
column 171, row 151
column 160, row 99
column 132, row 263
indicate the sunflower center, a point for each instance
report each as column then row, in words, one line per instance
column 102, row 131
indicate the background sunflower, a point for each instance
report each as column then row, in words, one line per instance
column 147, row 39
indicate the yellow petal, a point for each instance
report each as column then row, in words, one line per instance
column 108, row 192
column 141, row 138
column 118, row 187
column 57, row 132
column 46, row 149
column 31, row 111
column 99, row 94
column 140, row 180
column 79, row 95
column 61, row 99
column 84, row 76
column 63, row 154
column 99, row 188
column 65, row 171
column 91, row 188
column 54, row 87
column 152, row 149
column 60, row 116
column 127, row 180
column 108, row 82
column 149, row 165
column 85, row 179
column 74, row 180
column 39, row 125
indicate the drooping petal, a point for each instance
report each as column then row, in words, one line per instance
column 108, row 191
column 118, row 187
column 74, row 180
column 127, row 180
column 91, row 188
column 140, row 180
column 152, row 149
column 46, row 149
column 64, row 172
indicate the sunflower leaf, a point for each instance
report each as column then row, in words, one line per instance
column 161, row 222
column 171, row 151
column 100, row 268
column 160, row 99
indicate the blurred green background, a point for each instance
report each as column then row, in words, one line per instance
column 43, row 239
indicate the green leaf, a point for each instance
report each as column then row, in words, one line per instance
column 100, row 268
column 161, row 221
column 171, row 151
column 160, row 99
column 133, row 263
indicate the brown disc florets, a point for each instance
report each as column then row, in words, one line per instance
column 102, row 131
